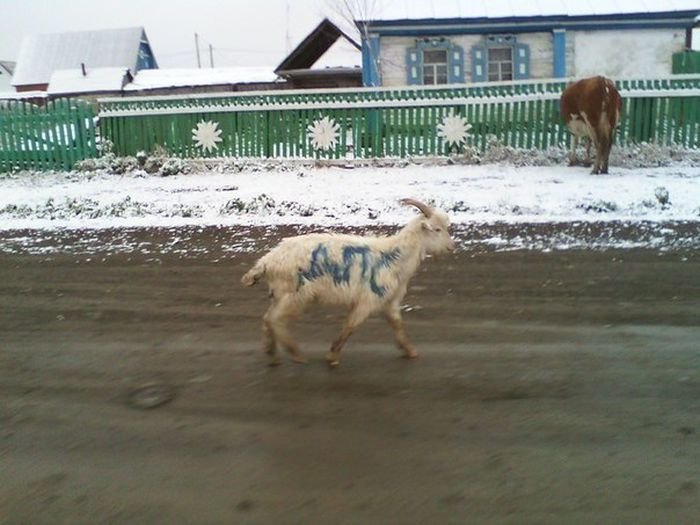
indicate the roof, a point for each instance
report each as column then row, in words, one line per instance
column 315, row 46
column 24, row 95
column 97, row 80
column 164, row 78
column 41, row 55
column 451, row 9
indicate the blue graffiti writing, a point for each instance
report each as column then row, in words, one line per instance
column 360, row 257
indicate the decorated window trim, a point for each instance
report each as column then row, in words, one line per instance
column 417, row 71
column 517, row 68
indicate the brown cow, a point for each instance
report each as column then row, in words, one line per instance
column 591, row 108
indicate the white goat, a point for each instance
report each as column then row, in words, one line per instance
column 365, row 273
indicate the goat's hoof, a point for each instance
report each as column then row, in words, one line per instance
column 274, row 361
column 411, row 354
column 301, row 360
column 332, row 359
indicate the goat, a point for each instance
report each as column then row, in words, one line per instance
column 591, row 108
column 363, row 273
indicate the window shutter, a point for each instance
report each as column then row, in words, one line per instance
column 456, row 65
column 522, row 61
column 414, row 73
column 479, row 71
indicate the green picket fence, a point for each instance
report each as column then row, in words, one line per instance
column 390, row 122
column 54, row 136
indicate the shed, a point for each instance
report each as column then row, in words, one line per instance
column 327, row 57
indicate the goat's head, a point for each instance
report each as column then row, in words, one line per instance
column 435, row 228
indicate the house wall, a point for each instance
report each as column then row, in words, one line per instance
column 632, row 53
column 393, row 55
column 643, row 53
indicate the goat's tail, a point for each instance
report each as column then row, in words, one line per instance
column 253, row 275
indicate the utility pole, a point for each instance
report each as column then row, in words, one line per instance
column 211, row 56
column 196, row 45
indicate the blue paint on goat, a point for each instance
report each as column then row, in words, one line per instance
column 321, row 264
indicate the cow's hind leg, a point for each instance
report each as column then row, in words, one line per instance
column 587, row 161
column 598, row 157
column 356, row 317
column 573, row 161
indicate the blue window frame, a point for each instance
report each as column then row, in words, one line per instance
column 434, row 61
column 500, row 58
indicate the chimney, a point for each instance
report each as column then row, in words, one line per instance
column 82, row 66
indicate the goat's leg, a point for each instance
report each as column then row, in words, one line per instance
column 356, row 317
column 269, row 341
column 279, row 314
column 393, row 316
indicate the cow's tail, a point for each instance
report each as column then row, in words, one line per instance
column 253, row 275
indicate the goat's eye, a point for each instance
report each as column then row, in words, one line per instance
column 438, row 230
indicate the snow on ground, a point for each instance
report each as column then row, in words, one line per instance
column 336, row 196
column 655, row 199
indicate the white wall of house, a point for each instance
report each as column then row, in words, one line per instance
column 641, row 53
column 631, row 53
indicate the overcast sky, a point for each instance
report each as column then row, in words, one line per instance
column 242, row 32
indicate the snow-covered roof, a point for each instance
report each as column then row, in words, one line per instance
column 164, row 78
column 22, row 95
column 41, row 55
column 97, row 80
column 440, row 9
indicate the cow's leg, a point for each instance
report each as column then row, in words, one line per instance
column 606, row 154
column 356, row 317
column 572, row 154
column 587, row 162
column 598, row 156
column 393, row 316
column 276, row 320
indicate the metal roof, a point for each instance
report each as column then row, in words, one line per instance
column 442, row 9
column 41, row 55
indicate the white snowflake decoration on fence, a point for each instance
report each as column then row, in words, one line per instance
column 324, row 133
column 206, row 135
column 454, row 129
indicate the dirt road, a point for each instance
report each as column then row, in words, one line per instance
column 558, row 387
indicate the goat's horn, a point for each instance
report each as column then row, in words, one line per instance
column 427, row 210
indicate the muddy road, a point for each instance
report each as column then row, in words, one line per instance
column 559, row 387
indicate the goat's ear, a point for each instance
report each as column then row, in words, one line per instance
column 427, row 226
